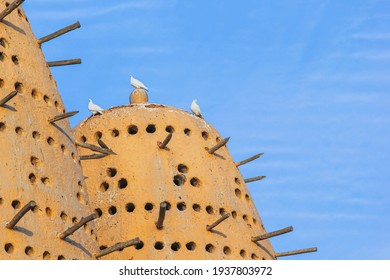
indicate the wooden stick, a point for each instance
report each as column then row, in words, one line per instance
column 64, row 62
column 254, row 179
column 29, row 206
column 93, row 156
column 59, row 32
column 161, row 215
column 10, row 8
column 220, row 144
column 272, row 234
column 249, row 159
column 82, row 222
column 217, row 222
column 63, row 116
column 164, row 144
column 296, row 252
column 117, row 247
column 8, row 97
column 95, row 148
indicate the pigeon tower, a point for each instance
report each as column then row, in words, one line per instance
column 42, row 189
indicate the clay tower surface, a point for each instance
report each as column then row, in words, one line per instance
column 39, row 161
column 198, row 188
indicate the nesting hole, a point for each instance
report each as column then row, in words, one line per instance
column 35, row 161
column 122, row 183
column 19, row 86
column 245, row 218
column 158, row 245
column 237, row 181
column 115, row 133
column 83, row 139
column 181, row 206
column 19, row 131
column 60, row 257
column 195, row 182
column 112, row 210
column 247, row 197
column 98, row 135
column 46, row 255
column 187, row 131
column 130, row 207
column 15, row 59
column 243, row 253
column 104, row 186
column 151, row 128
column 254, row 257
column 226, row 250
column 2, row 126
column 209, row 209
column 218, row 139
column 63, row 148
column 103, row 247
column 175, row 246
column 63, row 216
column 50, row 141
column 179, row 180
column 148, row 206
column 210, row 248
column 9, row 248
column 3, row 42
column 140, row 245
column 1, row 200
column 191, row 246
column 48, row 211
column 36, row 135
column 234, row 214
column 36, row 94
column 15, row 204
column 238, row 193
column 196, row 207
column 47, row 99
column 205, row 135
column 32, row 178
column 222, row 211
column 169, row 129
column 2, row 56
column 132, row 129
column 182, row 168
column 1, row 83
column 45, row 181
column 111, row 172
column 99, row 212
column 75, row 220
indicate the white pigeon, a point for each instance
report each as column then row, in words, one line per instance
column 137, row 84
column 95, row 109
column 195, row 109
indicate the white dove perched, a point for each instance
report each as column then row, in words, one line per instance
column 95, row 109
column 137, row 84
column 195, row 109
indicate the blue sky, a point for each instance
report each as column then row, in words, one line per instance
column 305, row 82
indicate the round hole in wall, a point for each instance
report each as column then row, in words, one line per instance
column 112, row 210
column 195, row 182
column 243, row 253
column 104, row 186
column 15, row 204
column 245, row 218
column 218, row 139
column 254, row 221
column 196, row 207
column 32, row 178
column 179, row 179
column 9, row 248
column 122, row 183
column 132, row 129
column 181, row 206
column 140, row 245
column 111, row 172
column 63, row 148
column 83, row 139
column 205, row 135
column 237, row 181
column 99, row 212
column 1, row 83
column 151, row 128
column 238, row 193
column 47, row 99
column 222, row 211
column 2, row 126
column 102, row 247
column 45, row 181
column 3, row 42
column 247, row 197
column 226, row 250
column 15, row 59
column 158, row 245
column 175, row 246
column 36, row 135
column 187, row 131
column 191, row 246
column 36, row 94
column 148, row 206
column 115, row 133
column 182, row 168
column 60, row 257
column 35, row 161
column 48, row 211
column 254, row 257
column 130, row 207
column 63, row 216
column 75, row 220
column 169, row 129
column 50, row 141
column 19, row 131
column 98, row 135
column 234, row 214
column 2, row 56
column 209, row 209
column 210, row 248
column 46, row 255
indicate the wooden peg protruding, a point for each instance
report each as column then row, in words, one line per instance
column 59, row 32
column 63, row 116
column 219, row 145
column 64, row 62
column 161, row 215
column 95, row 148
column 8, row 97
column 82, row 222
column 296, row 252
column 217, row 222
column 29, row 206
column 10, row 8
column 272, row 234
column 249, row 159
column 118, row 247
column 163, row 144
column 254, row 179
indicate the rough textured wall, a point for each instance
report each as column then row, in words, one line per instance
column 39, row 160
column 126, row 189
